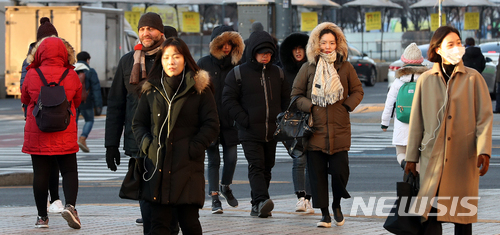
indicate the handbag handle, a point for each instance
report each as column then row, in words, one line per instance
column 294, row 99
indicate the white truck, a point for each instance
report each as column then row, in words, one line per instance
column 99, row 31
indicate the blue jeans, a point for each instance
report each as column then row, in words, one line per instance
column 88, row 115
column 300, row 175
column 230, row 157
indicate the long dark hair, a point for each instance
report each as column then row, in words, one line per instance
column 182, row 48
column 436, row 40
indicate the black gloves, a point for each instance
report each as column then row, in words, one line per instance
column 112, row 157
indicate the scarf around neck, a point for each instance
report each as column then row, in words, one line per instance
column 139, row 68
column 327, row 88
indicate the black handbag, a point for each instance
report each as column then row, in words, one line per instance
column 293, row 123
column 131, row 185
column 294, row 147
column 404, row 224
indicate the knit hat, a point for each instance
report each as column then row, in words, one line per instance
column 412, row 55
column 169, row 31
column 46, row 29
column 257, row 26
column 151, row 19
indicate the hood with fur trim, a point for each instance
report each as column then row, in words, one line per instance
column 228, row 36
column 286, row 50
column 410, row 69
column 49, row 51
column 201, row 79
column 313, row 50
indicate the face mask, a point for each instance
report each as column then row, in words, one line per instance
column 453, row 55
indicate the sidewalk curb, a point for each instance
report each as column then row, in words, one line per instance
column 16, row 179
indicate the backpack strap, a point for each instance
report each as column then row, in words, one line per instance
column 412, row 76
column 40, row 74
column 282, row 76
column 63, row 76
column 237, row 74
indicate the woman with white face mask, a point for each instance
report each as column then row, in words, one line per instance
column 450, row 135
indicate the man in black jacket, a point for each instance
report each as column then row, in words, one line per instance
column 123, row 96
column 473, row 56
column 253, row 102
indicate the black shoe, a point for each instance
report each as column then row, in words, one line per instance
column 255, row 210
column 338, row 217
column 227, row 193
column 265, row 207
column 325, row 222
column 138, row 222
column 216, row 207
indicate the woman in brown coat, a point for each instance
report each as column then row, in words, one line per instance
column 450, row 135
column 329, row 88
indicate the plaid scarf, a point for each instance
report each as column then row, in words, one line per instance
column 327, row 88
column 139, row 68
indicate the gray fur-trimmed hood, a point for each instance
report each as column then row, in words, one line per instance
column 228, row 36
column 69, row 48
column 313, row 50
column 410, row 69
column 201, row 79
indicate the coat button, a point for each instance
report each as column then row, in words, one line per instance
column 158, row 115
column 449, row 117
column 449, row 138
column 169, row 172
column 154, row 198
column 159, row 170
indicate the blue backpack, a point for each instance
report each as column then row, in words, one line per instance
column 404, row 100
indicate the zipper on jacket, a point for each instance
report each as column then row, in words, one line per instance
column 159, row 141
column 263, row 83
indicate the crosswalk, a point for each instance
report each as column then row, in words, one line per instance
column 92, row 166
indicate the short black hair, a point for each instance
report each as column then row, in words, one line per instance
column 83, row 56
column 470, row 41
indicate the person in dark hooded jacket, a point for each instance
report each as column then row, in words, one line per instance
column 175, row 121
column 254, row 102
column 226, row 49
column 293, row 56
column 473, row 57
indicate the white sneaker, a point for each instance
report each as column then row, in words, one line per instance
column 300, row 206
column 56, row 207
column 309, row 208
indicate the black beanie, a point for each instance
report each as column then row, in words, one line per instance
column 46, row 29
column 151, row 19
column 169, row 31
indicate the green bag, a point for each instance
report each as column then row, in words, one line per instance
column 404, row 100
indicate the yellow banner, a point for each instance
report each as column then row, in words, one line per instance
column 309, row 20
column 190, row 22
column 435, row 22
column 133, row 19
column 471, row 21
column 373, row 21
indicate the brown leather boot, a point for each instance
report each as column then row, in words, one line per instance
column 83, row 144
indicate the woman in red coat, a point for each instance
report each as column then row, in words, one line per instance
column 52, row 55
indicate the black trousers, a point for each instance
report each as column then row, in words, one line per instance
column 319, row 165
column 261, row 157
column 41, row 175
column 434, row 227
column 161, row 218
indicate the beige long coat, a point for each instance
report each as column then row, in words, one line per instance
column 450, row 125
